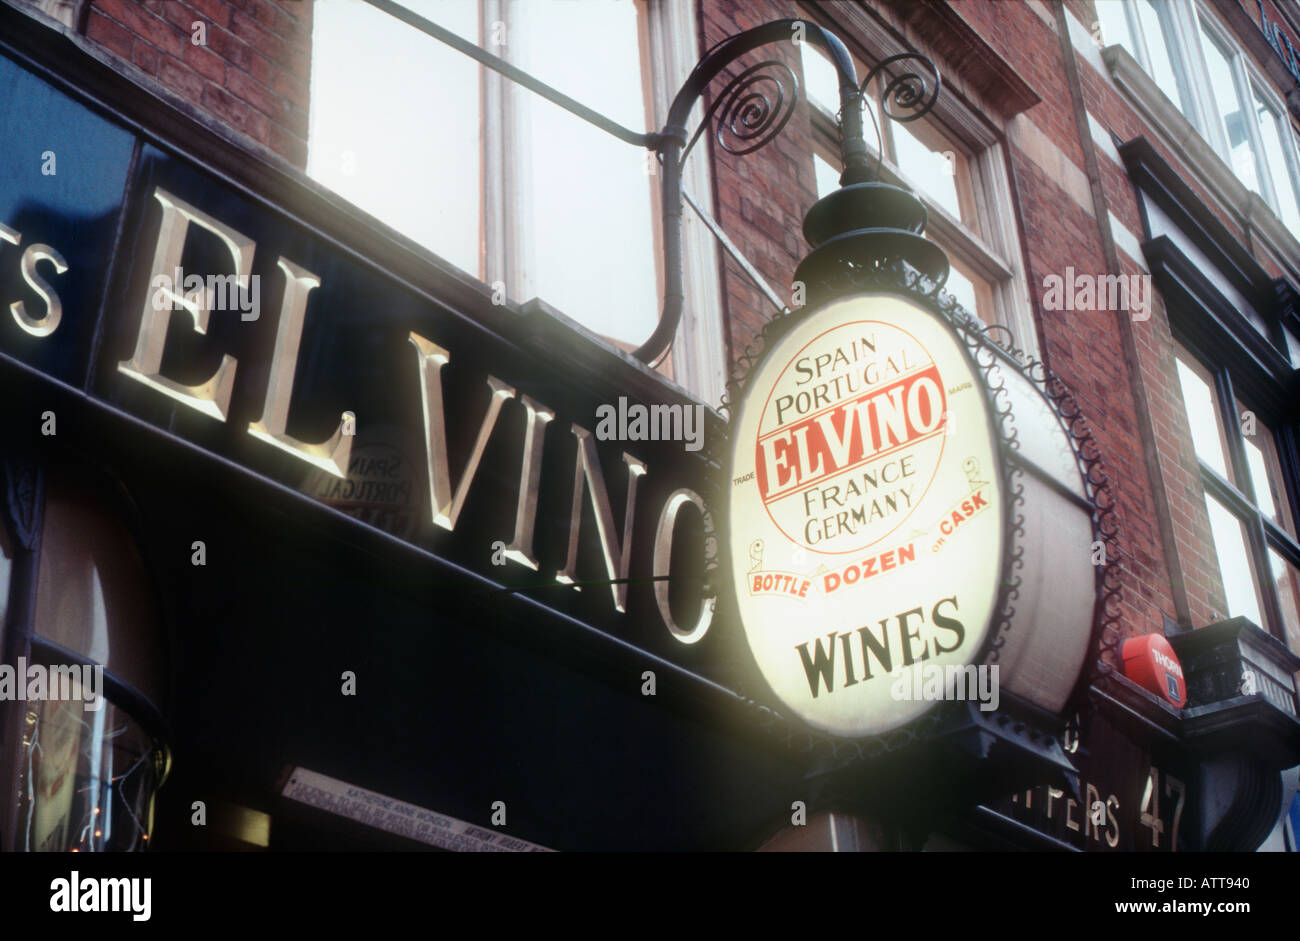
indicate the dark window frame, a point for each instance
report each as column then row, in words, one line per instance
column 1248, row 364
column 1240, row 499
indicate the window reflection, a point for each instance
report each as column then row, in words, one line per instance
column 1203, row 417
column 87, row 768
column 472, row 174
column 938, row 169
column 821, row 81
column 1218, row 62
column 1114, row 25
column 1287, row 579
column 91, row 596
column 1274, row 153
column 420, row 173
column 1157, row 26
column 1234, row 562
column 86, row 779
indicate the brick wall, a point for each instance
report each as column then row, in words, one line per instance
column 251, row 73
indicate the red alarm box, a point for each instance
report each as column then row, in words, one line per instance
column 1150, row 662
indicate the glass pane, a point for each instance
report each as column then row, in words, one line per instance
column 971, row 291
column 86, row 779
column 926, row 159
column 1279, row 168
column 1235, row 566
column 1287, row 579
column 1114, row 24
column 410, row 158
column 587, row 207
column 1241, row 158
column 821, row 81
column 1265, row 471
column 828, row 177
column 1157, row 27
column 1203, row 416
column 91, row 593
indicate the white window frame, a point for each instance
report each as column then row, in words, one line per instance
column 1247, row 80
column 670, row 49
column 1177, row 45
column 1188, row 58
column 699, row 349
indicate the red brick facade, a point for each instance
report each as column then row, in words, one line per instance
column 251, row 73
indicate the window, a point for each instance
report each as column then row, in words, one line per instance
column 961, row 181
column 1194, row 60
column 86, row 774
column 1251, row 128
column 507, row 186
column 1252, row 520
column 1148, row 29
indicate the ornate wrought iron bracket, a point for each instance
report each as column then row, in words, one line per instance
column 863, row 222
column 745, row 113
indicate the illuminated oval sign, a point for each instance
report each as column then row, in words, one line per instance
column 866, row 512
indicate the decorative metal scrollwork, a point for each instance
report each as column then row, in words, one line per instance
column 909, row 95
column 751, row 109
column 906, row 96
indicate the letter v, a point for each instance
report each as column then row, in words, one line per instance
column 840, row 445
column 445, row 507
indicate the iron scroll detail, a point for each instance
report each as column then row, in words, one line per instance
column 752, row 109
column 905, row 97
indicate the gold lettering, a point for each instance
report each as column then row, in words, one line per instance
column 1112, row 824
column 145, row 365
column 40, row 326
column 1053, row 793
column 445, row 505
column 521, row 546
column 272, row 426
column 663, row 552
column 617, row 558
column 1091, row 826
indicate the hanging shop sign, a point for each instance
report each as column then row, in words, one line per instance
column 866, row 511
column 872, row 535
